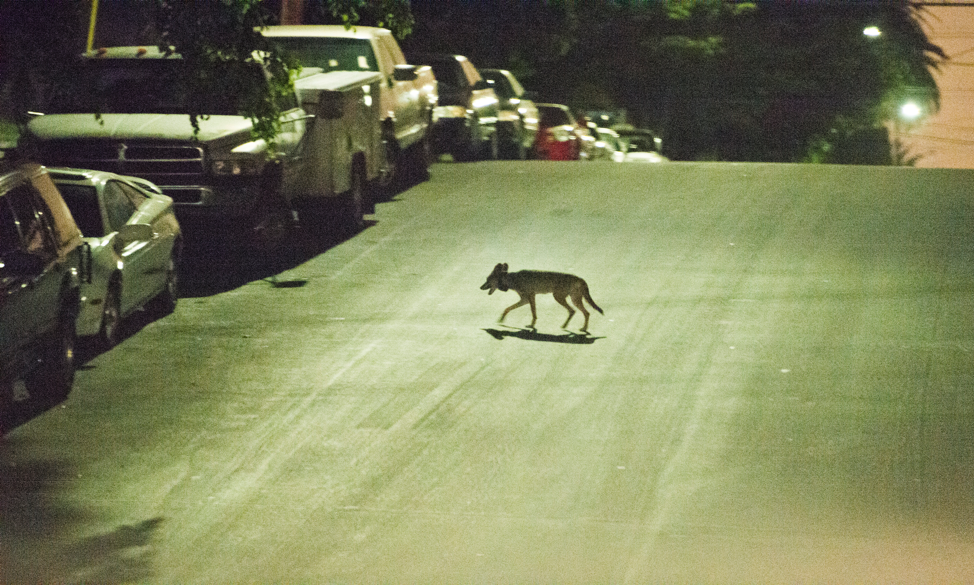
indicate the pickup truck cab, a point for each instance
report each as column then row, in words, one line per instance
column 222, row 180
column 407, row 93
column 225, row 184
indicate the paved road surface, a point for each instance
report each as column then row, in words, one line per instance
column 781, row 390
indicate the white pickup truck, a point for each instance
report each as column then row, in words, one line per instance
column 407, row 93
column 222, row 180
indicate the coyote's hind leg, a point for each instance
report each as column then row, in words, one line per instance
column 577, row 300
column 571, row 312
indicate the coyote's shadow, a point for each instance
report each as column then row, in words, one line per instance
column 533, row 335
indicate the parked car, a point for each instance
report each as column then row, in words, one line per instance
column 135, row 245
column 607, row 144
column 42, row 264
column 403, row 101
column 640, row 146
column 557, row 134
column 517, row 125
column 465, row 121
column 586, row 133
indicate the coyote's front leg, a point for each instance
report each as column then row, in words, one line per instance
column 525, row 300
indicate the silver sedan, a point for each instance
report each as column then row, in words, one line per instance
column 135, row 244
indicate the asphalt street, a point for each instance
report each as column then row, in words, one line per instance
column 781, row 390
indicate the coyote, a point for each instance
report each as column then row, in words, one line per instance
column 528, row 283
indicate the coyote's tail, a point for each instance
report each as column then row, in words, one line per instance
column 588, row 298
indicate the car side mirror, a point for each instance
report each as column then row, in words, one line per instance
column 404, row 73
column 135, row 232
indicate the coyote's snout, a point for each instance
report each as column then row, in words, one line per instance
column 529, row 283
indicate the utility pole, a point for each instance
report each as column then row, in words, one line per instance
column 292, row 11
column 92, row 21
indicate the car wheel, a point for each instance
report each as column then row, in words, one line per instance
column 355, row 198
column 421, row 157
column 165, row 301
column 111, row 316
column 53, row 378
column 512, row 142
column 469, row 145
column 389, row 173
column 272, row 220
column 492, row 147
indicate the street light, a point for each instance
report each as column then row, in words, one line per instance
column 910, row 111
column 872, row 32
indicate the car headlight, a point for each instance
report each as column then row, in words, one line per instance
column 447, row 112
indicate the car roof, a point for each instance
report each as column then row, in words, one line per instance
column 65, row 226
column 442, row 57
column 12, row 174
column 323, row 30
column 70, row 175
column 134, row 52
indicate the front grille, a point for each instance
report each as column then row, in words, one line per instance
column 163, row 164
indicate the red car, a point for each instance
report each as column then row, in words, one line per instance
column 557, row 137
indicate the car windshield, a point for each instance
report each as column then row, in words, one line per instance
column 131, row 86
column 82, row 200
column 330, row 54
column 638, row 143
column 448, row 72
column 506, row 87
column 554, row 117
column 500, row 84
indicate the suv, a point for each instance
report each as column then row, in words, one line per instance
column 465, row 119
column 517, row 124
column 41, row 259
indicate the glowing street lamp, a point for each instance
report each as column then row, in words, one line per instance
column 872, row 32
column 910, row 111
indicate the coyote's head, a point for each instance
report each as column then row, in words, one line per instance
column 494, row 280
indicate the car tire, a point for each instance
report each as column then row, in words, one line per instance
column 512, row 142
column 271, row 222
column 420, row 159
column 111, row 316
column 53, row 378
column 469, row 144
column 491, row 148
column 389, row 175
column 165, row 302
column 354, row 202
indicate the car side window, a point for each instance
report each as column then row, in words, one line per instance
column 117, row 205
column 470, row 72
column 138, row 198
column 82, row 200
column 502, row 87
column 30, row 217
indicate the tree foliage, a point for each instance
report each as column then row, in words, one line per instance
column 769, row 80
column 221, row 42
column 36, row 44
column 764, row 80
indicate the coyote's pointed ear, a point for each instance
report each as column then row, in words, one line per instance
column 493, row 281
